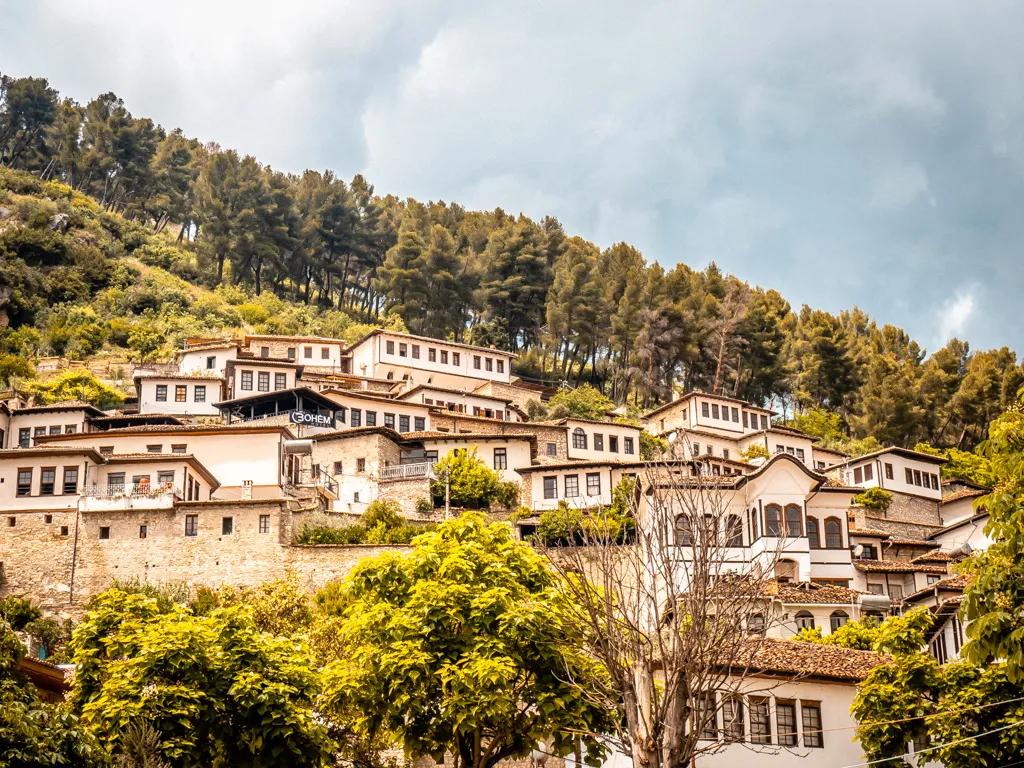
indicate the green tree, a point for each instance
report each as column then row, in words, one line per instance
column 584, row 402
column 458, row 646
column 74, row 385
column 516, row 281
column 471, row 483
column 28, row 106
column 403, row 275
column 218, row 690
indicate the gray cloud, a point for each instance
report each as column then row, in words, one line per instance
column 845, row 153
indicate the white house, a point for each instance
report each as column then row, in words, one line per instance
column 699, row 410
column 28, row 423
column 894, row 469
column 185, row 394
column 600, row 440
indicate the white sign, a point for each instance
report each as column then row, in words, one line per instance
column 312, row 419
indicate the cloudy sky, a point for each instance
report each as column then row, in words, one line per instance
column 845, row 153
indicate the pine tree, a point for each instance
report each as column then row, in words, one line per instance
column 402, row 276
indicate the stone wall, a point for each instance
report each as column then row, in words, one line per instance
column 545, row 433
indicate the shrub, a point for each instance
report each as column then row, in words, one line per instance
column 875, row 499
column 472, row 484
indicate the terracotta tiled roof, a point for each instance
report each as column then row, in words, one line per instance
column 949, row 584
column 803, row 659
column 870, row 532
column 895, row 566
column 470, row 436
column 963, row 493
column 938, row 557
column 811, row 592
column 63, row 405
column 903, row 541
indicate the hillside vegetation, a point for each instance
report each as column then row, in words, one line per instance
column 118, row 235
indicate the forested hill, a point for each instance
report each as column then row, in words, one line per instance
column 99, row 206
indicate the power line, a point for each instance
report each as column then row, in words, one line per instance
column 937, row 746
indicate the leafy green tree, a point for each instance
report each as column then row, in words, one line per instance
column 74, row 385
column 34, row 733
column 876, row 499
column 584, row 402
column 217, row 689
column 458, row 646
column 471, row 483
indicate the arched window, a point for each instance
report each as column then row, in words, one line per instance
column 733, row 531
column 804, row 620
column 754, row 527
column 709, row 531
column 579, row 439
column 794, row 521
column 684, row 532
column 813, row 539
column 837, row 619
column 833, row 533
column 755, row 623
column 773, row 520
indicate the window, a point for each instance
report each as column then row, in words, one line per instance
column 24, row 437
column 732, row 717
column 71, row 480
column 191, row 525
column 444, row 356
column 810, row 714
column 550, row 487
column 896, row 591
column 476, row 362
column 870, row 553
column 704, row 411
column 63, row 530
column 161, row 393
column 47, row 481
column 598, row 442
column 178, row 448
column 593, row 484
column 725, row 453
column 24, row 485
column 707, row 716
column 813, row 538
column 868, row 472
column 420, row 423
column 833, row 533
column 684, row 531
column 371, row 418
column 800, row 453
column 760, row 720
column 858, row 475
column 733, row 531
column 263, row 381
column 785, row 722
column 143, row 531
column 613, row 443
column 337, row 468
column 280, row 381
column 211, row 362
column 500, row 458
column 356, row 417
column 264, row 523
column 389, row 346
column 794, row 521
column 837, row 619
column 389, row 420
column 165, row 478
column 745, row 420
column 714, row 410
column 455, row 358
column 552, row 449
column 932, row 578
column 200, row 393
column 104, row 531
column 804, row 620
column 415, row 351
column 12, row 521
column 773, row 520
column 696, row 449
column 501, row 366
column 431, row 354
column 627, row 445
column 291, row 353
column 403, row 350
column 155, row 448
column 754, row 525
column 360, row 465
column 264, row 351
column 403, row 423
column 579, row 439
column 909, row 475
column 227, row 526
column 488, row 364
column 115, row 482
column 325, row 353
column 39, row 432
column 180, row 393
column 355, row 497
column 572, row 486
column 917, row 477
column 755, row 623
column 888, row 471
column 247, row 381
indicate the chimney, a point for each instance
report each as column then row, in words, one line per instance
column 247, row 490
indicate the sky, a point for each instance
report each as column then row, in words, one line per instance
column 844, row 153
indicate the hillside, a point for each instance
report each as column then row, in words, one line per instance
column 140, row 237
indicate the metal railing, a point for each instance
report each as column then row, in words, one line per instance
column 419, row 470
column 130, row 490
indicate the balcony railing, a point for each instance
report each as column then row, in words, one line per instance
column 130, row 490
column 417, row 471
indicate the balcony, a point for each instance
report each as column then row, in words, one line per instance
column 128, row 496
column 421, row 470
